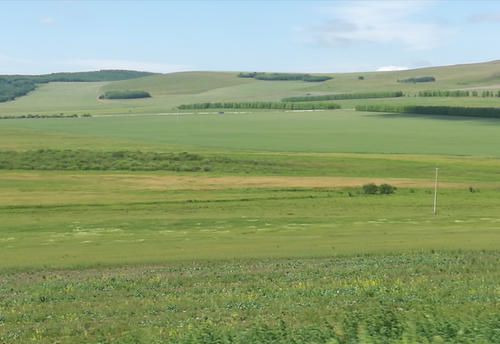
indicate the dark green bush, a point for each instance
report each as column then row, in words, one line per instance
column 370, row 189
column 383, row 189
column 386, row 189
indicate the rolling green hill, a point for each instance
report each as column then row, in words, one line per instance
column 171, row 90
column 13, row 86
column 179, row 83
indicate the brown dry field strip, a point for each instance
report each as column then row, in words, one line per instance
column 231, row 182
column 56, row 187
column 198, row 182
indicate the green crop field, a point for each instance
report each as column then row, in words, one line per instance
column 146, row 224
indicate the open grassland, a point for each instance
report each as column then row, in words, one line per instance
column 324, row 131
column 162, row 217
column 249, row 226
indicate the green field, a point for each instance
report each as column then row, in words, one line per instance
column 254, row 227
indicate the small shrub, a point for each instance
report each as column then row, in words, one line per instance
column 386, row 189
column 370, row 189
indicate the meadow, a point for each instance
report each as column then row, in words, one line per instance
column 146, row 224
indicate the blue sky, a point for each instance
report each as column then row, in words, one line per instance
column 282, row 36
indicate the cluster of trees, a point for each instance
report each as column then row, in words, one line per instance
column 260, row 105
column 60, row 115
column 419, row 79
column 126, row 94
column 388, row 94
column 13, row 86
column 488, row 112
column 383, row 189
column 284, row 76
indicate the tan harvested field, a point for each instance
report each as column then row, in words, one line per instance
column 70, row 187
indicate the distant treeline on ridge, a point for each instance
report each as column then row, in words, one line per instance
column 419, row 79
column 260, row 105
column 487, row 112
column 13, row 86
column 284, row 76
column 125, row 95
column 341, row 96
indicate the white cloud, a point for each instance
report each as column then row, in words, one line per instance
column 46, row 20
column 380, row 22
column 95, row 64
column 391, row 68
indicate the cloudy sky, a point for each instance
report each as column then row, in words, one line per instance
column 283, row 36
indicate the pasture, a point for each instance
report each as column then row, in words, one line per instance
column 147, row 224
column 339, row 131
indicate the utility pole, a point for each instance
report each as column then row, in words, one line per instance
column 435, row 191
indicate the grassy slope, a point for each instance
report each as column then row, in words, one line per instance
column 179, row 83
column 174, row 89
column 447, row 77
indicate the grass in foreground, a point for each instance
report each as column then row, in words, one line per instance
column 423, row 297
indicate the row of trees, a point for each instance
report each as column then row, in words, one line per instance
column 487, row 112
column 418, row 79
column 59, row 115
column 458, row 93
column 260, row 105
column 126, row 94
column 444, row 93
column 490, row 93
column 387, row 94
column 284, row 76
